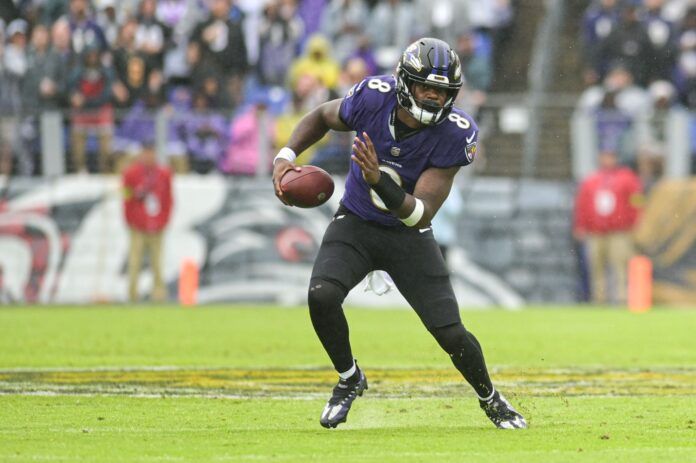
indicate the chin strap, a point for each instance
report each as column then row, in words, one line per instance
column 423, row 116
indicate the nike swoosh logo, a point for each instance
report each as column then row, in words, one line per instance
column 469, row 140
column 423, row 230
column 334, row 411
column 327, row 410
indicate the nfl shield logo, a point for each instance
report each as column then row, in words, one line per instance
column 395, row 151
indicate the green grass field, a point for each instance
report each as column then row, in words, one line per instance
column 228, row 384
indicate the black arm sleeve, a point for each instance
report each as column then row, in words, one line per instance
column 391, row 193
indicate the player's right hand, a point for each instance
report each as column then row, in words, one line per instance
column 280, row 167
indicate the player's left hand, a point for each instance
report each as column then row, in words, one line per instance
column 365, row 157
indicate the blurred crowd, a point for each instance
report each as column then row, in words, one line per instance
column 639, row 63
column 640, row 70
column 223, row 82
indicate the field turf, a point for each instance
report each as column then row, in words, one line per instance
column 228, row 384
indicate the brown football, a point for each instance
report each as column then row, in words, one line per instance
column 310, row 187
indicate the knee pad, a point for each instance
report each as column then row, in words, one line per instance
column 323, row 293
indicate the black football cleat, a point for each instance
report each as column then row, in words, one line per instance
column 501, row 413
column 337, row 408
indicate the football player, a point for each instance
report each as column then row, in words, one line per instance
column 409, row 146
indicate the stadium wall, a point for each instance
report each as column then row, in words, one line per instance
column 65, row 241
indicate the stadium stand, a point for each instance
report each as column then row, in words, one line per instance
column 153, row 61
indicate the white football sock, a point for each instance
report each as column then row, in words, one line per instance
column 349, row 373
column 486, row 399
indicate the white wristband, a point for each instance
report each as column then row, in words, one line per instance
column 416, row 215
column 285, row 153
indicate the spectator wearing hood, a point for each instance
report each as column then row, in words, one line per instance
column 317, row 62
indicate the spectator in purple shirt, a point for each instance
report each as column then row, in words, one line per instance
column 280, row 34
column 205, row 133
column 85, row 32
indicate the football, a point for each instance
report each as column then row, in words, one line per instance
column 310, row 187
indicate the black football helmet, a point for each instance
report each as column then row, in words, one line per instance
column 431, row 62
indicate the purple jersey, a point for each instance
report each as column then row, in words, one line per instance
column 369, row 107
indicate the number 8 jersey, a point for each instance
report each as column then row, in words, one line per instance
column 370, row 107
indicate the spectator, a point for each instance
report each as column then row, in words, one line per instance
column 280, row 34
column 685, row 79
column 391, row 26
column 343, row 23
column 148, row 201
column 365, row 53
column 310, row 12
column 661, row 33
column 332, row 156
column 135, row 129
column 618, row 107
column 108, row 20
column 686, row 28
column 124, row 8
column 44, row 84
column 599, row 20
column 652, row 147
column 84, row 31
column 61, row 42
column 249, row 150
column 491, row 16
column 606, row 211
column 675, row 10
column 478, row 72
column 13, row 67
column 90, row 93
column 151, row 36
column 354, row 71
column 252, row 12
column 210, row 86
column 131, row 66
column 307, row 93
column 318, row 62
column 52, row 10
column 181, row 17
column 43, row 88
column 685, row 71
column 205, row 135
column 217, row 45
column 177, row 110
column 444, row 19
column 629, row 44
